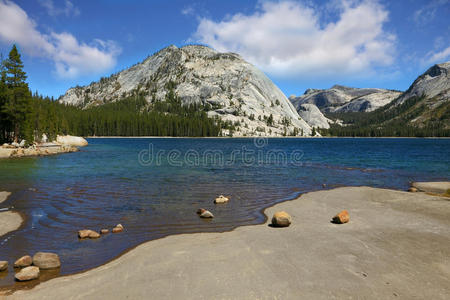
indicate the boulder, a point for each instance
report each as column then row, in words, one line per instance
column 341, row 217
column 46, row 260
column 413, row 190
column 281, row 219
column 28, row 273
column 104, row 231
column 206, row 215
column 117, row 229
column 3, row 265
column 221, row 199
column 71, row 140
column 24, row 261
column 87, row 233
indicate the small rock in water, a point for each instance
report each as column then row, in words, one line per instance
column 117, row 229
column 200, row 211
column 24, row 261
column 341, row 218
column 413, row 190
column 281, row 219
column 46, row 260
column 3, row 265
column 104, row 231
column 206, row 214
column 87, row 233
column 221, row 199
column 28, row 273
column 119, row 226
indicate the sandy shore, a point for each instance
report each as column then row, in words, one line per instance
column 9, row 221
column 396, row 246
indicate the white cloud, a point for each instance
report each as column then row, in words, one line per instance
column 68, row 9
column 287, row 38
column 437, row 57
column 188, row 11
column 427, row 13
column 71, row 57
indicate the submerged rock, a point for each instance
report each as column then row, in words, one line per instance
column 341, row 218
column 200, row 211
column 3, row 265
column 413, row 190
column 46, row 260
column 104, row 231
column 221, row 199
column 281, row 219
column 87, row 233
column 24, row 261
column 206, row 214
column 28, row 273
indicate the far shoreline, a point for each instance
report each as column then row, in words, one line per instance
column 268, row 137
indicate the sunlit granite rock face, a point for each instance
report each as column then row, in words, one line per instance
column 313, row 116
column 435, row 82
column 346, row 99
column 233, row 89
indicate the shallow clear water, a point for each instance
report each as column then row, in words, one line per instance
column 114, row 181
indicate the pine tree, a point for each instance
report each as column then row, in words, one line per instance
column 18, row 106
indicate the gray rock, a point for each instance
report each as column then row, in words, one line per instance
column 206, row 214
column 46, row 260
column 234, row 89
column 345, row 99
column 313, row 116
column 28, row 273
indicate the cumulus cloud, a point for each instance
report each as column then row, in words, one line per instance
column 287, row 38
column 68, row 9
column 71, row 57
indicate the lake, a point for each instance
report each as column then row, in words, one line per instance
column 153, row 187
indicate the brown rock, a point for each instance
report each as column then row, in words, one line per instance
column 200, row 211
column 87, row 233
column 46, row 260
column 28, row 273
column 341, row 217
column 3, row 265
column 281, row 219
column 104, row 231
column 413, row 190
column 119, row 226
column 206, row 214
column 24, row 261
column 117, row 229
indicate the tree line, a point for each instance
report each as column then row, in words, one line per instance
column 27, row 116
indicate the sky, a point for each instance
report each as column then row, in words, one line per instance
column 299, row 44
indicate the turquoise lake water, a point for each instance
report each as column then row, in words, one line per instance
column 154, row 186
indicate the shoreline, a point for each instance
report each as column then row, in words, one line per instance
column 268, row 137
column 9, row 220
column 186, row 240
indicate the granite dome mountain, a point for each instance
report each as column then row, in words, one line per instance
column 232, row 89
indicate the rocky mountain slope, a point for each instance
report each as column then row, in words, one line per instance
column 346, row 99
column 423, row 110
column 232, row 89
column 313, row 116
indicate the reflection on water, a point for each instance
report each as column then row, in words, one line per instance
column 105, row 184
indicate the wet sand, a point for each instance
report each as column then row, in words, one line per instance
column 396, row 245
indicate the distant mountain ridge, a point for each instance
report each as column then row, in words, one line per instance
column 232, row 89
column 346, row 99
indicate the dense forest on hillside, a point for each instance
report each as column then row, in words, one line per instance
column 406, row 119
column 27, row 116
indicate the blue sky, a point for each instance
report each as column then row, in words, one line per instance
column 298, row 44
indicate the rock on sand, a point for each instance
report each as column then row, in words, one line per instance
column 281, row 219
column 28, row 273
column 3, row 265
column 24, row 261
column 341, row 217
